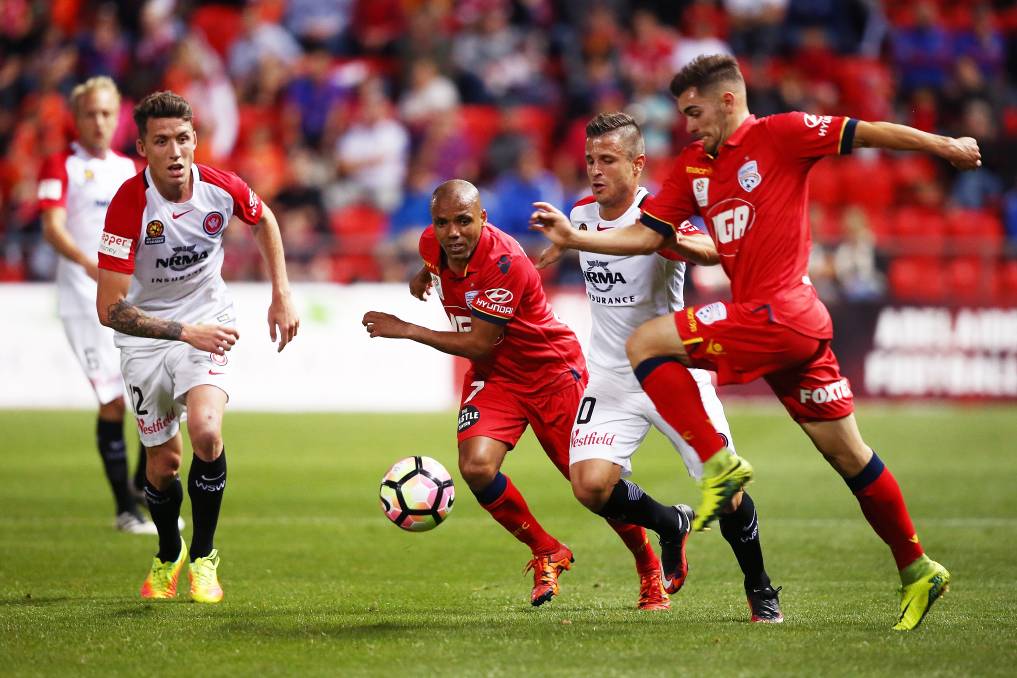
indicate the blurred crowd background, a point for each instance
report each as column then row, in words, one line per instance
column 344, row 114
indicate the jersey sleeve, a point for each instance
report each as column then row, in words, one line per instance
column 53, row 182
column 501, row 288
column 430, row 250
column 804, row 135
column 665, row 211
column 122, row 231
column 691, row 226
column 246, row 203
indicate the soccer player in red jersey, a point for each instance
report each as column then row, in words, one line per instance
column 160, row 287
column 748, row 178
column 526, row 368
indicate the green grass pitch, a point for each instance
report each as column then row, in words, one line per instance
column 318, row 582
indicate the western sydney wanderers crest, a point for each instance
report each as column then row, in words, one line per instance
column 748, row 176
column 213, row 223
column 154, row 233
column 701, row 188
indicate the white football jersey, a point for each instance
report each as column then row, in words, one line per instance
column 624, row 291
column 174, row 250
column 84, row 185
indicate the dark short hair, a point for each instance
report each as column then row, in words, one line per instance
column 631, row 135
column 705, row 71
column 161, row 105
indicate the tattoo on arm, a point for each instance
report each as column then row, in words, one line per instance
column 129, row 319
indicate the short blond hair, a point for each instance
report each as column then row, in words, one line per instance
column 90, row 85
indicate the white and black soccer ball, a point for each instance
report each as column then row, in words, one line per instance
column 417, row 493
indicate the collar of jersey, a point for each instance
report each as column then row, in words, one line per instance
column 739, row 134
column 480, row 252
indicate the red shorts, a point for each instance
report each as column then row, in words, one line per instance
column 492, row 411
column 740, row 343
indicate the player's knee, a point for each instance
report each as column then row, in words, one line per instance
column 113, row 410
column 207, row 442
column 478, row 473
column 637, row 347
column 590, row 492
column 162, row 466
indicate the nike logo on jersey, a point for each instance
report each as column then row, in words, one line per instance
column 215, row 373
column 177, row 216
column 604, row 228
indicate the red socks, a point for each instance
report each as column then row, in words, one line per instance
column 636, row 540
column 509, row 508
column 882, row 503
column 676, row 396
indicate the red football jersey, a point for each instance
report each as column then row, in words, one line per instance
column 537, row 352
column 753, row 196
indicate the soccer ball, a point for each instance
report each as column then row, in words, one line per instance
column 417, row 493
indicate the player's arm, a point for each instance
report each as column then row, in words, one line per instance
column 694, row 246
column 476, row 344
column 281, row 312
column 628, row 240
column 961, row 152
column 115, row 311
column 54, row 229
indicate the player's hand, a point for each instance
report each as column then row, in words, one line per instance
column 92, row 270
column 282, row 315
column 550, row 221
column 212, row 338
column 420, row 284
column 963, row 153
column 551, row 254
column 385, row 325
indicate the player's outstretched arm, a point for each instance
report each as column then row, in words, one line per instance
column 420, row 284
column 698, row 248
column 476, row 344
column 54, row 229
column 628, row 240
column 282, row 314
column 116, row 312
column 961, row 152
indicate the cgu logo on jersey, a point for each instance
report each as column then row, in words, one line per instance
column 182, row 258
column 731, row 219
column 601, row 278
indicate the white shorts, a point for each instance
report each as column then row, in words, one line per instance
column 158, row 379
column 92, row 344
column 613, row 419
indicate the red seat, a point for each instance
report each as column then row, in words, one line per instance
column 970, row 280
column 538, row 123
column 869, row 181
column 1006, row 289
column 220, row 24
column 358, row 229
column 918, row 230
column 975, row 232
column 480, row 125
column 917, row 279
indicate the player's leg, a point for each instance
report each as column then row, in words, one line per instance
column 138, row 482
column 739, row 522
column 879, row 496
column 658, row 356
column 206, row 483
column 99, row 359
column 820, row 400
column 572, row 410
column 491, row 421
column 164, row 496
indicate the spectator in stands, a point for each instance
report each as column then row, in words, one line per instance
column 923, row 52
column 429, row 94
column 320, row 24
column 314, row 96
column 854, row 260
column 104, row 50
column 701, row 35
column 398, row 254
column 371, row 156
column 260, row 39
column 755, row 26
column 981, row 187
column 517, row 190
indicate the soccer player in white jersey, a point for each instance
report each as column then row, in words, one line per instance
column 161, row 289
column 615, row 413
column 75, row 186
